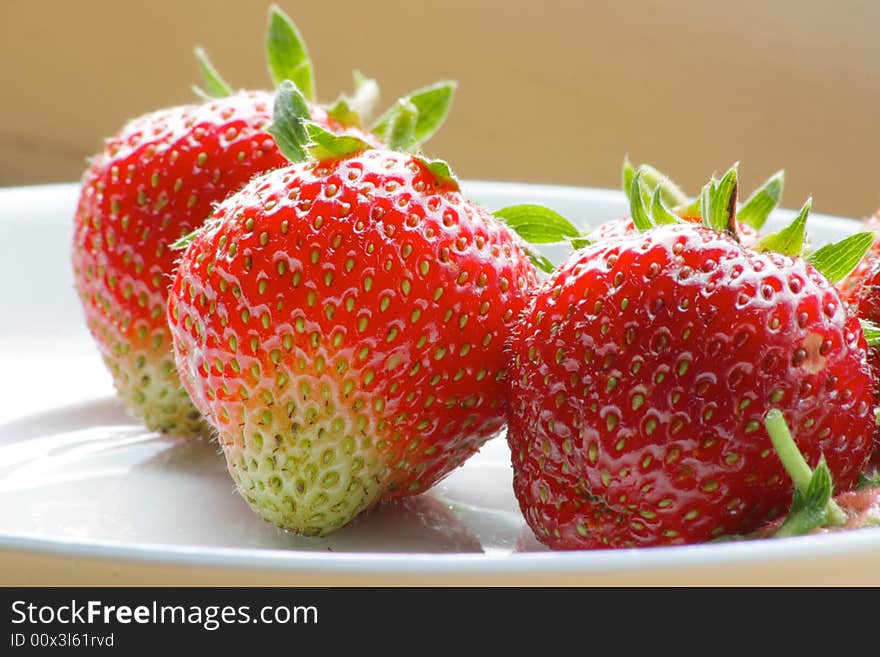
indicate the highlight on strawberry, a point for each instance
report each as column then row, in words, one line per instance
column 158, row 178
column 341, row 321
column 642, row 370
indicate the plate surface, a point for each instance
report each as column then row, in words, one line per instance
column 89, row 497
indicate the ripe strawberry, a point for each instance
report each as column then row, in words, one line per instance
column 341, row 321
column 865, row 299
column 641, row 371
column 158, row 179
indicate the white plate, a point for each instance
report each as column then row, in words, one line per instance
column 89, row 497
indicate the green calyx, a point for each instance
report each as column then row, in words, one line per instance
column 299, row 138
column 754, row 212
column 431, row 105
column 834, row 261
column 812, row 504
column 646, row 201
column 869, row 480
column 538, row 224
column 441, row 170
column 790, row 240
column 213, row 85
column 350, row 110
column 718, row 202
column 757, row 208
column 288, row 59
column 872, row 333
column 287, row 55
column 651, row 178
column 650, row 199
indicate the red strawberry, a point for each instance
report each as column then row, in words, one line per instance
column 865, row 298
column 341, row 321
column 158, row 179
column 641, row 372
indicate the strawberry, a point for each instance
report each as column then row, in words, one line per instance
column 865, row 299
column 158, row 179
column 341, row 322
column 642, row 369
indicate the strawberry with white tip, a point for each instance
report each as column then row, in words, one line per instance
column 158, row 179
column 341, row 322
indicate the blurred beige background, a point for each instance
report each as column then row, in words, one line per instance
column 550, row 91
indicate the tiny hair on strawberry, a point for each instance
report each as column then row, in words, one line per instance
column 642, row 370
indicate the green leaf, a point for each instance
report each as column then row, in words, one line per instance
column 653, row 179
column 287, row 55
column 325, row 145
column 432, row 102
column 400, row 135
column 351, row 110
column 441, row 170
column 869, row 480
column 343, row 113
column 790, row 240
column 835, row 261
column 214, row 85
column 705, row 202
column 871, row 332
column 543, row 263
column 762, row 202
column 182, row 242
column 639, row 214
column 288, row 122
column 719, row 209
column 627, row 174
column 659, row 212
column 537, row 224
column 809, row 507
column 366, row 94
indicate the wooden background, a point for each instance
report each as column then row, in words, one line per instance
column 550, row 91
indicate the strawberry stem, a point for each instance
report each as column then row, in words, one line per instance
column 809, row 485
